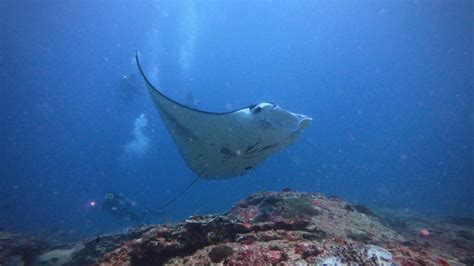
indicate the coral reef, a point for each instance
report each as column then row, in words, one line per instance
column 272, row 228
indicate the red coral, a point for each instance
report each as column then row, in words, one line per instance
column 300, row 248
column 307, row 250
column 317, row 202
column 247, row 215
column 275, row 256
column 443, row 262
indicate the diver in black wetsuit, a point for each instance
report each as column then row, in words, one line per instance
column 121, row 207
column 129, row 87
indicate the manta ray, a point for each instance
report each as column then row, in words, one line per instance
column 228, row 144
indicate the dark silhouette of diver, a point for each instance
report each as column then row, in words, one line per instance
column 129, row 87
column 120, row 207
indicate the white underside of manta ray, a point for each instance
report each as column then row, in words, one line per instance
column 231, row 144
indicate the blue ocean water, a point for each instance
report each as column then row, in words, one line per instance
column 389, row 85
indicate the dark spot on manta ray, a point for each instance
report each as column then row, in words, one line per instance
column 251, row 147
column 251, row 152
column 257, row 110
column 226, row 151
column 248, row 168
column 268, row 147
column 252, row 106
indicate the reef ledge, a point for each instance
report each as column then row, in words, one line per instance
column 266, row 228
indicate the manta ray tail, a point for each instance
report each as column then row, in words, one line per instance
column 180, row 194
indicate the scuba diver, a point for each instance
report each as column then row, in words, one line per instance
column 118, row 206
column 129, row 87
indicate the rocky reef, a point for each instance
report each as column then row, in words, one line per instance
column 267, row 228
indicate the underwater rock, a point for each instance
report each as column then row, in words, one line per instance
column 217, row 254
column 363, row 209
column 16, row 249
column 379, row 255
column 59, row 256
column 267, row 228
column 278, row 227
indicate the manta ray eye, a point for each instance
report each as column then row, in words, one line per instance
column 257, row 109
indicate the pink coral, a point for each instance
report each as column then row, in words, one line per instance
column 275, row 256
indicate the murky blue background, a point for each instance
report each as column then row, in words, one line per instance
column 388, row 83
